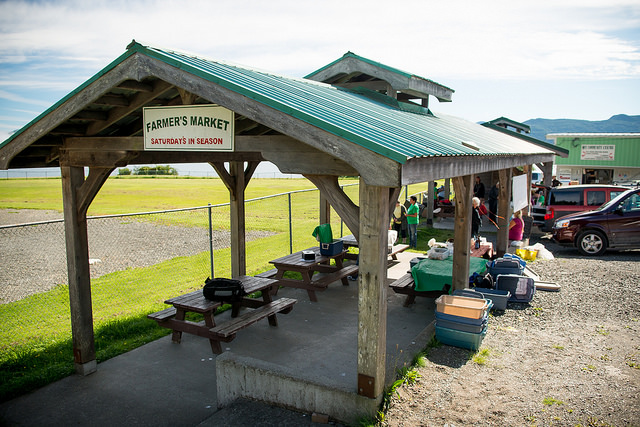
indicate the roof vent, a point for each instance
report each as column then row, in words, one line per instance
column 470, row 145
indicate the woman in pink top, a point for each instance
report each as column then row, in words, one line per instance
column 516, row 226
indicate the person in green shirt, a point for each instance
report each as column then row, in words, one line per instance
column 413, row 214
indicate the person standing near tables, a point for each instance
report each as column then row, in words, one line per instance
column 476, row 220
column 494, row 193
column 478, row 188
column 399, row 221
column 516, row 227
column 413, row 217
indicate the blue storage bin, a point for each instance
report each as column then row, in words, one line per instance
column 504, row 266
column 498, row 296
column 461, row 339
column 461, row 319
column 522, row 288
column 464, row 327
column 522, row 262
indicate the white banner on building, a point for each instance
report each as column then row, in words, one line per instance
column 597, row 152
column 188, row 128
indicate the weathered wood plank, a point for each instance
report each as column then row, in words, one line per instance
column 504, row 209
column 78, row 271
column 330, row 188
column 372, row 288
column 231, row 327
column 463, row 187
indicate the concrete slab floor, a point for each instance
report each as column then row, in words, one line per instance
column 163, row 383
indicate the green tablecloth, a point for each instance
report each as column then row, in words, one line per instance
column 433, row 274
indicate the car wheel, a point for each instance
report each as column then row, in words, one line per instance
column 591, row 242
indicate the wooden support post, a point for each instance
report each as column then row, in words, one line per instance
column 430, row 201
column 504, row 210
column 77, row 195
column 325, row 210
column 463, row 187
column 447, row 189
column 236, row 181
column 372, row 289
column 547, row 173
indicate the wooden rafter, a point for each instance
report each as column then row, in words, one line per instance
column 138, row 101
column 330, row 188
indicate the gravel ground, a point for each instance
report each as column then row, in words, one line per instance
column 568, row 358
column 34, row 259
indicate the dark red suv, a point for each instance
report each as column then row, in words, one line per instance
column 614, row 225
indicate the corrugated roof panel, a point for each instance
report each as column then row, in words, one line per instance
column 389, row 131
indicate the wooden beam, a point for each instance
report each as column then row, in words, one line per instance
column 346, row 209
column 504, row 210
column 433, row 168
column 75, row 224
column 135, row 85
column 187, row 97
column 463, row 187
column 236, row 181
column 137, row 101
column 112, row 100
column 372, row 289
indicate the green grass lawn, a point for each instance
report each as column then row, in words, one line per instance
column 34, row 353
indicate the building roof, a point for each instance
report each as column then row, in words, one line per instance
column 508, row 122
column 110, row 104
column 560, row 151
column 593, row 135
column 352, row 70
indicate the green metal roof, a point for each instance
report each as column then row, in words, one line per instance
column 380, row 127
column 375, row 64
column 558, row 150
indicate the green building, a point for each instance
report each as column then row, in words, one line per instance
column 598, row 158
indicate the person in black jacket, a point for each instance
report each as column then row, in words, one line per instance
column 476, row 220
column 492, row 200
column 478, row 189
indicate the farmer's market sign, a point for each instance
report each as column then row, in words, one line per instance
column 188, row 128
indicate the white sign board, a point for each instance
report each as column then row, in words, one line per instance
column 597, row 152
column 520, row 192
column 188, row 128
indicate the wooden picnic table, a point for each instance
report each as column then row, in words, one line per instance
column 194, row 302
column 349, row 241
column 309, row 282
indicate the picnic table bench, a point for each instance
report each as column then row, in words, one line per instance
column 195, row 302
column 350, row 241
column 310, row 282
column 406, row 286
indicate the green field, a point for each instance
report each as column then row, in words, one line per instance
column 34, row 353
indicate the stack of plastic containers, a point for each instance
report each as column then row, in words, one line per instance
column 461, row 321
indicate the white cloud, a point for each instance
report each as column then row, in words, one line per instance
column 454, row 39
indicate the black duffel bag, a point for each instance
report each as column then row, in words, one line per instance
column 223, row 290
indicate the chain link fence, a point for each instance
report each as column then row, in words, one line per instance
column 139, row 260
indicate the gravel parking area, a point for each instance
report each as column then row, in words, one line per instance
column 569, row 358
column 36, row 261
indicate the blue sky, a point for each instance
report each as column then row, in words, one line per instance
column 522, row 60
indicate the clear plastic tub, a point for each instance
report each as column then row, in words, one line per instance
column 461, row 339
column 462, row 306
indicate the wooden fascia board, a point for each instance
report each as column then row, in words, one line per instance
column 433, row 168
column 375, row 169
column 128, row 69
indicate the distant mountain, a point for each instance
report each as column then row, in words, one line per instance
column 618, row 123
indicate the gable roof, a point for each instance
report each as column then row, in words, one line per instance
column 110, row 104
column 352, row 68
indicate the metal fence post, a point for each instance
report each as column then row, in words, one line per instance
column 211, row 242
column 290, row 227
